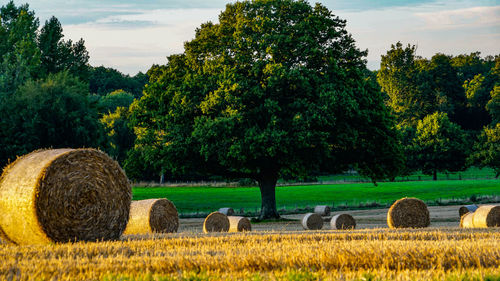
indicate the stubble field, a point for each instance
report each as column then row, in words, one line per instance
column 273, row 251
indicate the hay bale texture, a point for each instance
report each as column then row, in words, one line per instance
column 312, row 221
column 343, row 221
column 239, row 224
column 63, row 195
column 216, row 222
column 227, row 211
column 466, row 220
column 487, row 216
column 322, row 210
column 152, row 215
column 466, row 209
column 408, row 212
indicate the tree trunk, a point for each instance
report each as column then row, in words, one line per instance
column 267, row 185
column 434, row 175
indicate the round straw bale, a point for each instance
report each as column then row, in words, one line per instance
column 152, row 215
column 466, row 220
column 63, row 195
column 466, row 209
column 239, row 224
column 487, row 216
column 408, row 212
column 343, row 221
column 227, row 211
column 216, row 222
column 312, row 221
column 322, row 210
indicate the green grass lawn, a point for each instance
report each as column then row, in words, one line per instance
column 207, row 199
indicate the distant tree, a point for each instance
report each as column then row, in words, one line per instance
column 53, row 112
column 110, row 102
column 439, row 145
column 486, row 152
column 58, row 55
column 493, row 105
column 120, row 136
column 276, row 87
column 105, row 80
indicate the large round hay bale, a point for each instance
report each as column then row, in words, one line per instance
column 322, row 210
column 408, row 212
column 216, row 222
column 152, row 215
column 312, row 221
column 343, row 221
column 63, row 195
column 239, row 224
column 227, row 211
column 487, row 216
column 466, row 209
column 466, row 220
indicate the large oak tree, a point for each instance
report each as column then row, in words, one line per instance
column 276, row 87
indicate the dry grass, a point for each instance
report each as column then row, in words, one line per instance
column 381, row 254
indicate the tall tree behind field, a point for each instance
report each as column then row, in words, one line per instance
column 58, row 55
column 105, row 80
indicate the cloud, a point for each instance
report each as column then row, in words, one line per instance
column 462, row 18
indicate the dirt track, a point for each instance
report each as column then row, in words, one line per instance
column 441, row 216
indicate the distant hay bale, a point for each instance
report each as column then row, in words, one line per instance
column 322, row 210
column 63, row 195
column 312, row 221
column 466, row 220
column 343, row 221
column 487, row 216
column 216, row 222
column 239, row 224
column 152, row 215
column 408, row 212
column 466, row 209
column 227, row 211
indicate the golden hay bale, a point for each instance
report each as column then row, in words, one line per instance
column 63, row 195
column 312, row 221
column 408, row 212
column 227, row 211
column 216, row 222
column 487, row 216
column 239, row 224
column 466, row 220
column 152, row 215
column 466, row 209
column 343, row 221
column 322, row 210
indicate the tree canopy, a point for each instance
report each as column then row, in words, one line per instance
column 274, row 87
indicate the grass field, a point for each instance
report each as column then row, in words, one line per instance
column 380, row 254
column 206, row 199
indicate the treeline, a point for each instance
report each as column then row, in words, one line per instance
column 446, row 109
column 49, row 94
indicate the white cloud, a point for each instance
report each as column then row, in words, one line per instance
column 455, row 19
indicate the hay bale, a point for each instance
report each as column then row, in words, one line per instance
column 216, row 222
column 343, row 221
column 322, row 210
column 239, row 224
column 152, row 215
column 487, row 216
column 408, row 212
column 466, row 220
column 312, row 221
column 227, row 211
column 63, row 195
column 466, row 209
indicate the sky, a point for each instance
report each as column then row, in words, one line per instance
column 133, row 35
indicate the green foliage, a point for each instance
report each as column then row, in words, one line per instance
column 487, row 149
column 110, row 102
column 274, row 87
column 440, row 145
column 106, row 80
column 120, row 136
column 493, row 105
column 53, row 112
